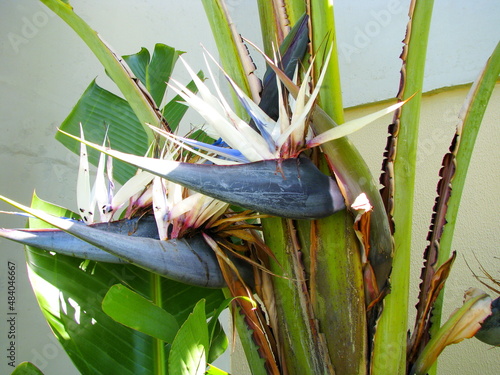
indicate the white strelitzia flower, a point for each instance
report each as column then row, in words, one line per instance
column 176, row 209
column 268, row 139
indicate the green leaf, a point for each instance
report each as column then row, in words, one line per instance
column 218, row 342
column 70, row 293
column 323, row 36
column 138, row 63
column 156, row 72
column 133, row 310
column 97, row 109
column 228, row 44
column 302, row 350
column 470, row 122
column 215, row 371
column 26, row 368
column 190, row 347
column 217, row 337
column 463, row 323
column 393, row 323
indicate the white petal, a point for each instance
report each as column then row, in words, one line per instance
column 352, row 126
column 133, row 186
column 83, row 195
column 160, row 208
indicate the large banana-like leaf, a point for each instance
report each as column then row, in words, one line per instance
column 101, row 112
column 155, row 71
column 97, row 110
column 70, row 292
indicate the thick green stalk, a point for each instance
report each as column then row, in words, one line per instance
column 275, row 18
column 303, row 350
column 110, row 61
column 470, row 123
column 389, row 355
column 270, row 29
column 324, row 37
column 230, row 48
column 355, row 176
column 337, row 291
column 294, row 10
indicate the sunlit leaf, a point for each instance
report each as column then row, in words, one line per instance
column 190, row 347
column 71, row 301
column 212, row 370
column 28, row 368
column 133, row 310
column 96, row 110
column 154, row 72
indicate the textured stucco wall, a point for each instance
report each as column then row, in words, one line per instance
column 45, row 68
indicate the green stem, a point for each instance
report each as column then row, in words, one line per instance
column 336, row 285
column 324, row 36
column 480, row 94
column 337, row 293
column 303, row 350
column 389, row 355
column 229, row 47
column 270, row 29
column 161, row 365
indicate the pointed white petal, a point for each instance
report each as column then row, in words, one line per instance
column 182, row 142
column 262, row 120
column 133, row 186
column 224, row 128
column 100, row 192
column 160, row 207
column 83, row 194
column 352, row 126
